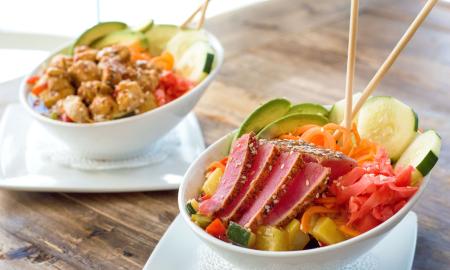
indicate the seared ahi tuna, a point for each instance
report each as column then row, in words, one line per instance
column 234, row 177
column 258, row 172
column 339, row 163
column 281, row 173
column 309, row 182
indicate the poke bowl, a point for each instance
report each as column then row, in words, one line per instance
column 116, row 90
column 241, row 200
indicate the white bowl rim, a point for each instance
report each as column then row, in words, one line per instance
column 23, row 92
column 395, row 219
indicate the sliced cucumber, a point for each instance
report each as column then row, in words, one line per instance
column 289, row 123
column 337, row 111
column 264, row 115
column 240, row 235
column 309, row 108
column 98, row 31
column 158, row 36
column 422, row 154
column 183, row 40
column 197, row 62
column 124, row 37
column 388, row 122
column 146, row 27
column 192, row 207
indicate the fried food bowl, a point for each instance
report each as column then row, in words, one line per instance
column 328, row 257
column 125, row 137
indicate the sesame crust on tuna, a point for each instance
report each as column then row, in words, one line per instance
column 255, row 187
column 258, row 218
column 298, row 209
column 305, row 147
column 250, row 153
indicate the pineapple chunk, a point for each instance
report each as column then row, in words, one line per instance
column 327, row 232
column 297, row 239
column 212, row 182
column 271, row 238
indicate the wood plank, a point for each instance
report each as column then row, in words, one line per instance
column 295, row 49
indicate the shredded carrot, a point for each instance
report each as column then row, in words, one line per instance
column 138, row 52
column 338, row 138
column 307, row 216
column 349, row 231
column 224, row 161
column 300, row 130
column 39, row 88
column 328, row 200
column 216, row 164
column 164, row 61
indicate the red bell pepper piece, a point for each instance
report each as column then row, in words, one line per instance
column 216, row 228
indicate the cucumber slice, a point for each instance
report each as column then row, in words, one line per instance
column 192, row 207
column 146, row 27
column 309, row 108
column 264, row 115
column 196, row 62
column 388, row 122
column 337, row 111
column 289, row 123
column 422, row 154
column 124, row 37
column 240, row 235
column 183, row 40
column 158, row 36
column 98, row 31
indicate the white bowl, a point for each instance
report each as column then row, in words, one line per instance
column 125, row 137
column 329, row 257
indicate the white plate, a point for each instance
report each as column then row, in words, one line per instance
column 22, row 169
column 395, row 251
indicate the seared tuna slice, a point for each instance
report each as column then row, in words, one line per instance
column 258, row 172
column 234, row 175
column 339, row 163
column 306, row 185
column 282, row 172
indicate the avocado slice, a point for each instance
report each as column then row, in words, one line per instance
column 124, row 37
column 146, row 27
column 264, row 115
column 98, row 31
column 308, row 108
column 159, row 35
column 289, row 123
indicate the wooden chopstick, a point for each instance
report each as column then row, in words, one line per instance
column 201, row 8
column 202, row 18
column 188, row 20
column 393, row 55
column 351, row 59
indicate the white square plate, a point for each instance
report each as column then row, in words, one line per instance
column 395, row 251
column 22, row 169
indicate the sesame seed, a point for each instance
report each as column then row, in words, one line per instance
column 307, row 182
column 282, row 166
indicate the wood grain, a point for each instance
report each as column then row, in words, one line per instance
column 295, row 49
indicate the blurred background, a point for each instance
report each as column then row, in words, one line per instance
column 56, row 21
column 69, row 17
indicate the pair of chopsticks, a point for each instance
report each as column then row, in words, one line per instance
column 350, row 110
column 202, row 8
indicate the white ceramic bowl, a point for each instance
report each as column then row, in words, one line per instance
column 125, row 137
column 330, row 257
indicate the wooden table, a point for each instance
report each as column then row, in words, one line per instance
column 295, row 49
